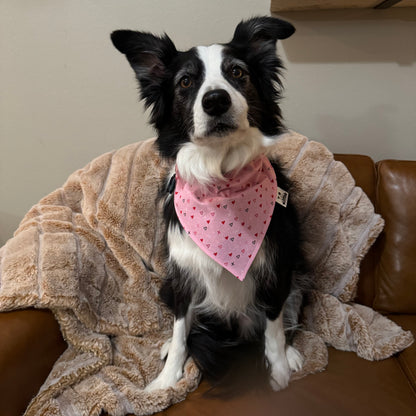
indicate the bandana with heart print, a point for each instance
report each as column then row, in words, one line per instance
column 228, row 220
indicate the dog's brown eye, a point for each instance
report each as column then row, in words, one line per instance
column 237, row 72
column 185, row 82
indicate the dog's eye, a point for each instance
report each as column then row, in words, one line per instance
column 185, row 82
column 237, row 72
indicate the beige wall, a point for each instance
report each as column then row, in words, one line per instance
column 351, row 80
column 66, row 95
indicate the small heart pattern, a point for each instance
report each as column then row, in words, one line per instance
column 232, row 214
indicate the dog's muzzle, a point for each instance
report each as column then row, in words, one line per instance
column 216, row 102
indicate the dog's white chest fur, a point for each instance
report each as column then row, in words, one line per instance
column 220, row 291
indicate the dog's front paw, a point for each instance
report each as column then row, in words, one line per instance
column 294, row 358
column 165, row 380
column 283, row 366
column 280, row 374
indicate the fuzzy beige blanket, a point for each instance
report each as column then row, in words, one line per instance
column 91, row 252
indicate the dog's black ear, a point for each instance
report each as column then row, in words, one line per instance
column 149, row 56
column 255, row 41
column 147, row 53
column 262, row 29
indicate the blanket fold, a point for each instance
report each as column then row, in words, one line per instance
column 92, row 252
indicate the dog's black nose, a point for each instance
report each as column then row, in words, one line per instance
column 216, row 102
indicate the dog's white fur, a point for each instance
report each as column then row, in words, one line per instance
column 205, row 162
column 211, row 56
column 204, row 159
column 225, row 294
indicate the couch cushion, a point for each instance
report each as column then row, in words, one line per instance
column 349, row 386
column 395, row 278
column 363, row 170
column 407, row 358
column 30, row 343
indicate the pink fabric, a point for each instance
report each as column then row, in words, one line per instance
column 228, row 220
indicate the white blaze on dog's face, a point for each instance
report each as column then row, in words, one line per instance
column 219, row 108
column 215, row 91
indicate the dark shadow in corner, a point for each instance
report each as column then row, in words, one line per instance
column 358, row 35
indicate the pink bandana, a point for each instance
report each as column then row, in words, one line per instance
column 229, row 220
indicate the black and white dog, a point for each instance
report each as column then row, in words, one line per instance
column 215, row 110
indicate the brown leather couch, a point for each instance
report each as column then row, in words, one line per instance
column 30, row 340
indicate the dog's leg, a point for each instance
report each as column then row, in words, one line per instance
column 282, row 358
column 176, row 356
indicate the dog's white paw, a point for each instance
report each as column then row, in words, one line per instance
column 294, row 358
column 280, row 374
column 165, row 380
column 283, row 366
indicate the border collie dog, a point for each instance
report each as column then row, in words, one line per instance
column 233, row 251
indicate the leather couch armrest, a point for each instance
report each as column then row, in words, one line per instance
column 30, row 343
column 395, row 272
column 363, row 170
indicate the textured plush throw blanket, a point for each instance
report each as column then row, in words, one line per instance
column 91, row 252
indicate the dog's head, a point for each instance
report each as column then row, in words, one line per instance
column 208, row 93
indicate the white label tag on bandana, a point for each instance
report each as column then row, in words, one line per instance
column 282, row 197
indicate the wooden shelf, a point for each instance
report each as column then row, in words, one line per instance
column 300, row 5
